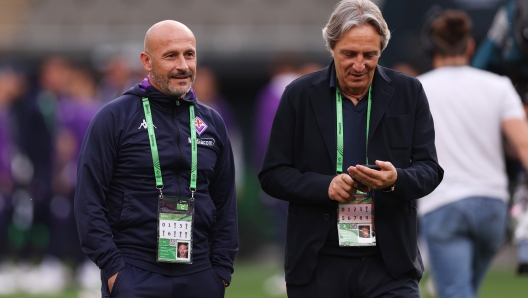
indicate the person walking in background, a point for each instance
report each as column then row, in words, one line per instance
column 284, row 69
column 505, row 52
column 464, row 219
column 155, row 169
column 334, row 120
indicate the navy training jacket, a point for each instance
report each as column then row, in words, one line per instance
column 116, row 195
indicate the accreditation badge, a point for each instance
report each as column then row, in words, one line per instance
column 355, row 223
column 175, row 229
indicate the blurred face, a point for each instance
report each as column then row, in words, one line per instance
column 205, row 86
column 170, row 59
column 182, row 250
column 356, row 55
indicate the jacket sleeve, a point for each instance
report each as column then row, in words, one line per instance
column 424, row 173
column 95, row 169
column 278, row 176
column 224, row 235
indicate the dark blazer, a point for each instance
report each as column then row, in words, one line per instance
column 300, row 163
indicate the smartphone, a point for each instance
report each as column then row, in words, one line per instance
column 373, row 167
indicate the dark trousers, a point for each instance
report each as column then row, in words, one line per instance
column 133, row 282
column 366, row 277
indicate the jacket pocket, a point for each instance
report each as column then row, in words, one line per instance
column 125, row 211
column 117, row 283
column 139, row 210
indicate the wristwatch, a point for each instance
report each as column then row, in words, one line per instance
column 389, row 189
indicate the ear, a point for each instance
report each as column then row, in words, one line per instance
column 331, row 51
column 470, row 49
column 146, row 61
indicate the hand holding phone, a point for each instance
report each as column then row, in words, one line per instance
column 373, row 167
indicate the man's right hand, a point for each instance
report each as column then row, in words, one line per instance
column 343, row 187
column 111, row 281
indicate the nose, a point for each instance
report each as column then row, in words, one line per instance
column 181, row 63
column 359, row 64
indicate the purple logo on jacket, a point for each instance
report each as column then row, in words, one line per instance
column 200, row 125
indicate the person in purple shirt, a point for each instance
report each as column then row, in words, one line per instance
column 208, row 92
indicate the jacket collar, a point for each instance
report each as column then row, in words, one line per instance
column 324, row 103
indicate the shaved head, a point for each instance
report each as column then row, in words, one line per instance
column 170, row 57
column 158, row 32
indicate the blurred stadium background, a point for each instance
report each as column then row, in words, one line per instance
column 92, row 47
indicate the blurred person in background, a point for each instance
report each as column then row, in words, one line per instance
column 12, row 88
column 304, row 166
column 48, row 128
column 74, row 112
column 46, row 271
column 406, row 68
column 208, row 92
column 29, row 152
column 117, row 78
column 464, row 219
column 285, row 68
column 505, row 51
column 406, row 19
column 122, row 177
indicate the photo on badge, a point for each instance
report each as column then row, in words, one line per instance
column 183, row 250
column 364, row 231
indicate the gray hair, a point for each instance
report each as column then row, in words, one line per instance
column 351, row 13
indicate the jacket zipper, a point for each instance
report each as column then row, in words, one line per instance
column 178, row 149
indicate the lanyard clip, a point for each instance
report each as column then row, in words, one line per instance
column 161, row 193
column 193, row 190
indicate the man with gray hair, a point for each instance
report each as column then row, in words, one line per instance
column 328, row 126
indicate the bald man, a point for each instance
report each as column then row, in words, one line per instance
column 156, row 169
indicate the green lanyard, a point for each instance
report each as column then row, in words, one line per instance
column 339, row 111
column 154, row 148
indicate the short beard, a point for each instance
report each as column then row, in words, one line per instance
column 164, row 82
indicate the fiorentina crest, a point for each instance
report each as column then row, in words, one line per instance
column 200, row 125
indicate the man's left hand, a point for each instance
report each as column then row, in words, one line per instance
column 384, row 178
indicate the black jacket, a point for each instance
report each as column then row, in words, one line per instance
column 116, row 195
column 300, row 163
